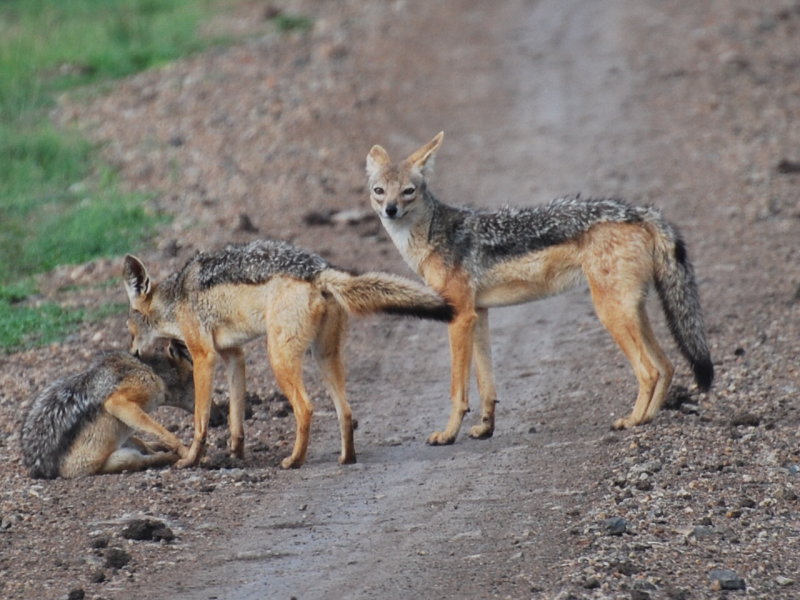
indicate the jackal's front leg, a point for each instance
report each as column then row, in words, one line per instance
column 460, row 333
column 203, row 378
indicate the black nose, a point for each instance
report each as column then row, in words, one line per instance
column 391, row 210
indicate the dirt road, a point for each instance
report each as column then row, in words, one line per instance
column 693, row 107
column 532, row 96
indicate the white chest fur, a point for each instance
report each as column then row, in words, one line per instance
column 406, row 237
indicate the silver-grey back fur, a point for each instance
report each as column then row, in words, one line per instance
column 478, row 239
column 256, row 263
column 66, row 406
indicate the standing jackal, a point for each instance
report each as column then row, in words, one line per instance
column 83, row 424
column 477, row 260
column 221, row 300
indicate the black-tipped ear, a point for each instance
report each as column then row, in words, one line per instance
column 137, row 281
column 178, row 350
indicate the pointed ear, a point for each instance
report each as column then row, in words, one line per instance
column 137, row 281
column 422, row 159
column 177, row 350
column 377, row 159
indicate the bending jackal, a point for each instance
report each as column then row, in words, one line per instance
column 83, row 424
column 221, row 300
column 477, row 260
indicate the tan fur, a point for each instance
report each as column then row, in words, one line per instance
column 294, row 314
column 617, row 260
column 106, row 445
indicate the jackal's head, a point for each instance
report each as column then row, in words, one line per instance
column 396, row 190
column 140, row 291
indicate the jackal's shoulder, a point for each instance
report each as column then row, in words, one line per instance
column 253, row 263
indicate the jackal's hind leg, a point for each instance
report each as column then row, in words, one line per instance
column 235, row 370
column 482, row 350
column 328, row 352
column 128, row 458
column 630, row 328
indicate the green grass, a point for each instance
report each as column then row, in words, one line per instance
column 58, row 203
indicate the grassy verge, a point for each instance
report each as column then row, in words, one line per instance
column 58, row 203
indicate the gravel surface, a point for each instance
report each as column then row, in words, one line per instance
column 697, row 111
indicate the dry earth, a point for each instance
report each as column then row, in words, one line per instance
column 693, row 107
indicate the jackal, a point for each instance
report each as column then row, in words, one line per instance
column 477, row 260
column 221, row 300
column 84, row 423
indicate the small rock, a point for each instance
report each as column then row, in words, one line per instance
column 747, row 503
column 591, row 583
column 315, row 218
column 615, row 526
column 676, row 593
column 116, row 558
column 97, row 576
column 245, row 224
column 76, row 594
column 640, row 595
column 786, row 166
column 784, row 581
column 745, row 419
column 147, row 530
column 725, row 579
column 100, row 540
column 702, row 532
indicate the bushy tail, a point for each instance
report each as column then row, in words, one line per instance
column 677, row 289
column 383, row 292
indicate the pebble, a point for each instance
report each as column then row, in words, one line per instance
column 725, row 579
column 116, row 558
column 615, row 526
column 147, row 530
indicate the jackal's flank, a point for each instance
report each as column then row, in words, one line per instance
column 478, row 259
column 221, row 300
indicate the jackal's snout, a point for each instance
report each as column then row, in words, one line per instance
column 391, row 210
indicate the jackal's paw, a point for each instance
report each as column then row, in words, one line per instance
column 627, row 422
column 440, row 438
column 186, row 462
column 481, row 432
column 291, row 463
column 237, row 449
column 192, row 456
column 347, row 460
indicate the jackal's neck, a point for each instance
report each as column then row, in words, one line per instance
column 410, row 234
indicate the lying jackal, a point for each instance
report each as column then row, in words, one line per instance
column 83, row 424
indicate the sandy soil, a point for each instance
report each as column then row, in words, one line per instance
column 693, row 107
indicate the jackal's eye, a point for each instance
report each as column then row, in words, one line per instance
column 378, row 191
column 409, row 191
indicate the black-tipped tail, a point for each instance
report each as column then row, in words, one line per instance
column 677, row 289
column 443, row 312
column 383, row 292
column 703, row 374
